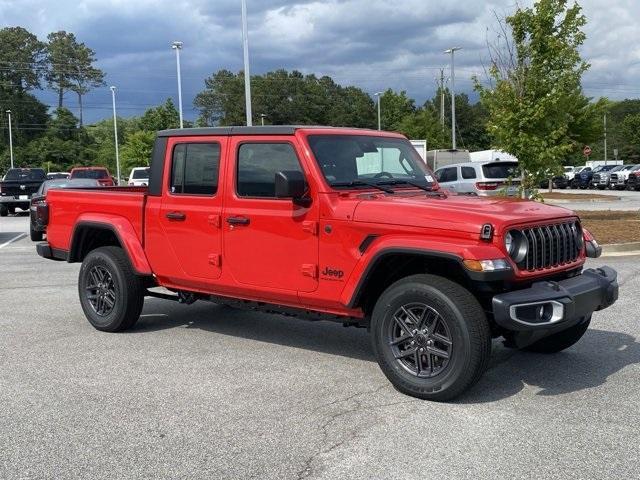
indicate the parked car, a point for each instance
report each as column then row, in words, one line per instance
column 139, row 177
column 56, row 175
column 37, row 226
column 633, row 182
column 586, row 175
column 575, row 182
column 600, row 179
column 558, row 181
column 618, row 180
column 17, row 187
column 570, row 173
column 96, row 173
column 481, row 178
column 337, row 224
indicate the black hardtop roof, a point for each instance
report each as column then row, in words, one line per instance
column 242, row 130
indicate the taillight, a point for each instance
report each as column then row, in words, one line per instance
column 42, row 212
column 487, row 185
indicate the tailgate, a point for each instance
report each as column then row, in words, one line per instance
column 19, row 188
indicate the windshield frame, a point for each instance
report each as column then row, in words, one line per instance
column 360, row 182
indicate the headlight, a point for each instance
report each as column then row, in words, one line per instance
column 516, row 245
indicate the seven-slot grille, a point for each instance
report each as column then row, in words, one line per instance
column 551, row 245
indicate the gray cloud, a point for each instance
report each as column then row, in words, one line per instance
column 373, row 44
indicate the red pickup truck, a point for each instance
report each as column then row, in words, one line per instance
column 338, row 224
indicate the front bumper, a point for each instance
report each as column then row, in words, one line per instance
column 549, row 307
column 13, row 200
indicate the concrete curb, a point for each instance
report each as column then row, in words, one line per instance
column 579, row 200
column 621, row 249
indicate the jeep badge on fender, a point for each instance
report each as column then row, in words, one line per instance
column 330, row 272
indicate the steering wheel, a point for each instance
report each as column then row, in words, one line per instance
column 383, row 174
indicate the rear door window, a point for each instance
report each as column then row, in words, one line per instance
column 468, row 173
column 194, row 169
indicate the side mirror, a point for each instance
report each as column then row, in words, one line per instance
column 291, row 184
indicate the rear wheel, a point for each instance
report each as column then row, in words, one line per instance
column 35, row 235
column 111, row 294
column 430, row 337
column 561, row 340
column 4, row 211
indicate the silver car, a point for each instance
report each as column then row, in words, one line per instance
column 481, row 178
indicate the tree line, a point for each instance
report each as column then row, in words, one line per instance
column 531, row 102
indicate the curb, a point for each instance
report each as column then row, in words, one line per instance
column 578, row 200
column 621, row 249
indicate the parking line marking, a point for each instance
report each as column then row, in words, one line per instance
column 18, row 237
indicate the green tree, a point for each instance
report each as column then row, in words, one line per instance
column 630, row 129
column 284, row 98
column 161, row 117
column 136, row 152
column 535, row 93
column 394, row 107
column 71, row 66
column 424, row 124
column 22, row 59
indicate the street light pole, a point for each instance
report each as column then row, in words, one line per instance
column 115, row 133
column 10, row 138
column 247, row 74
column 605, row 138
column 377, row 94
column 453, row 97
column 177, row 46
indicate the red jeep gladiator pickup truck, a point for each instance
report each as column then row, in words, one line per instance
column 340, row 224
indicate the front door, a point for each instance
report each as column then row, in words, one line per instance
column 268, row 242
column 191, row 210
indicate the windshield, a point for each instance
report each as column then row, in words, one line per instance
column 25, row 175
column 500, row 170
column 142, row 173
column 365, row 160
column 97, row 173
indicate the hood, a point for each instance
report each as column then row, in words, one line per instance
column 454, row 212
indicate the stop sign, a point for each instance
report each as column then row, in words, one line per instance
column 586, row 150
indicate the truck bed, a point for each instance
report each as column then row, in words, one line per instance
column 67, row 207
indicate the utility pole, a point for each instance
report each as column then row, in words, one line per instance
column 247, row 74
column 10, row 138
column 605, row 138
column 377, row 95
column 442, row 97
column 115, row 133
column 262, row 117
column 177, row 46
column 453, row 97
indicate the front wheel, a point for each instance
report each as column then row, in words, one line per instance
column 111, row 294
column 4, row 211
column 430, row 337
column 560, row 341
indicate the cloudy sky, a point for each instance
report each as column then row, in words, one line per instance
column 374, row 44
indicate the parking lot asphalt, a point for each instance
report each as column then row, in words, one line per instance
column 208, row 392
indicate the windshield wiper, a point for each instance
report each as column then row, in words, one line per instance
column 362, row 183
column 408, row 182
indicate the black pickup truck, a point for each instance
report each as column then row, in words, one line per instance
column 17, row 187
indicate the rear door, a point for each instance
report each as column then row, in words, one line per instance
column 191, row 208
column 269, row 242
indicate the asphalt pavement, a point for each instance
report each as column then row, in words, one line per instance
column 209, row 392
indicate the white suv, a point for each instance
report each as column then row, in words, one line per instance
column 139, row 177
column 481, row 178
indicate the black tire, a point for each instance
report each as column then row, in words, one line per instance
column 35, row 235
column 462, row 321
column 116, row 301
column 4, row 211
column 12, row 210
column 560, row 341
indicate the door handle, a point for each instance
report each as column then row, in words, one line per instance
column 179, row 216
column 238, row 221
